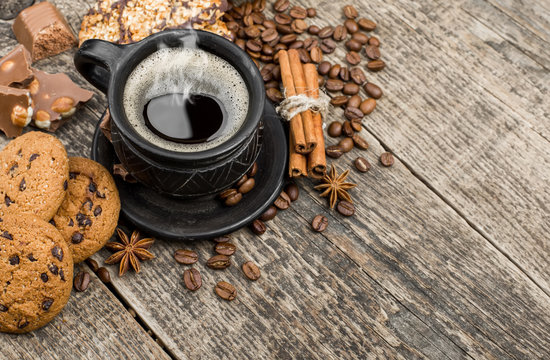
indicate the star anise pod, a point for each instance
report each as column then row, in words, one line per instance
column 335, row 186
column 129, row 252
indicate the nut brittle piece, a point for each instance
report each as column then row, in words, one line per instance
column 15, row 110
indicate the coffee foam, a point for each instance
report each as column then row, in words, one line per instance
column 187, row 71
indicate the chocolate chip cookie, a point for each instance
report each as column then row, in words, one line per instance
column 89, row 213
column 36, row 273
column 34, row 170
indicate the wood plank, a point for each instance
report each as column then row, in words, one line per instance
column 93, row 325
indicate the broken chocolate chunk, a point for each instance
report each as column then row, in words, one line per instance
column 77, row 238
column 57, row 253
column 15, row 68
column 14, row 260
column 97, row 210
column 7, row 235
column 31, row 258
column 43, row 31
column 44, row 277
column 33, row 157
column 22, row 185
column 53, row 269
column 15, row 110
column 46, row 304
column 7, row 200
column 3, row 308
column 61, row 275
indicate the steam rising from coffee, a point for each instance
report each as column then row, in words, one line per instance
column 186, row 70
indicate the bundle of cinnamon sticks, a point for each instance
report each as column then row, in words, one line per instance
column 307, row 142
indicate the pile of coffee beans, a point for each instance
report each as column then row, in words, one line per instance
column 224, row 249
column 283, row 202
column 234, row 195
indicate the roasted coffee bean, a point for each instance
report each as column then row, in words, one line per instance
column 350, row 12
column 257, row 18
column 192, row 279
column 92, row 264
column 248, row 21
column 353, row 58
column 347, row 130
column 373, row 90
column 103, row 275
column 298, row 12
column 241, row 181
column 278, row 48
column 225, row 248
column 254, row 46
column 360, row 142
column 324, row 68
column 274, row 95
column 345, row 208
column 267, row 72
column 358, row 76
column 361, row 164
column 360, row 37
column 353, row 45
column 314, row 30
column 269, row 214
column 328, row 46
column 386, row 159
column 252, row 32
column 269, row 35
column 319, row 223
column 232, row 26
column 355, row 101
column 233, row 199
column 247, row 186
column 372, row 52
column 334, row 151
column 288, row 39
column 283, row 201
column 81, row 281
column 344, row 73
column 334, row 85
column 293, row 191
column 258, row 227
column 366, row 24
column 351, row 25
column 334, row 71
column 241, row 43
column 299, row 26
column 340, row 33
column 227, row 193
column 219, row 262
column 310, row 43
column 281, row 5
column 335, row 129
column 248, row 9
column 374, row 41
column 339, row 100
column 283, row 19
column 253, row 170
column 326, row 32
column 346, row 144
column 277, row 72
column 226, row 291
column 353, row 113
column 316, row 55
column 304, row 56
column 269, row 24
column 220, row 239
column 296, row 45
column 186, row 257
column 321, row 81
column 251, row 270
column 367, row 106
column 351, row 89
column 356, row 125
column 311, row 12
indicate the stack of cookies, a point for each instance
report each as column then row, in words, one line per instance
column 55, row 211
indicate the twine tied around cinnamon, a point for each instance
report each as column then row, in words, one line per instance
column 294, row 105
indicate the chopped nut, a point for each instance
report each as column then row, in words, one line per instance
column 42, row 119
column 20, row 116
column 34, row 86
column 7, row 66
column 64, row 105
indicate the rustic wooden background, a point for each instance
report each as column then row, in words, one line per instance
column 448, row 255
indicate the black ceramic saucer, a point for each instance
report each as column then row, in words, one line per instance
column 171, row 218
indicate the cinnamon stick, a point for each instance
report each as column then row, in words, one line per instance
column 297, row 164
column 300, row 86
column 296, row 124
column 317, row 161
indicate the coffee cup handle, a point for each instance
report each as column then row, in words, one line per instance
column 96, row 60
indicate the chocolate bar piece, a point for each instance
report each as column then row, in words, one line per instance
column 15, row 68
column 55, row 98
column 43, row 31
column 15, row 110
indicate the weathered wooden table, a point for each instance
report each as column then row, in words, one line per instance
column 448, row 255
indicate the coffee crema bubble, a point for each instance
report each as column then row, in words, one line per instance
column 187, row 72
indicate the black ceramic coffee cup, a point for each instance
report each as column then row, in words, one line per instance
column 183, row 174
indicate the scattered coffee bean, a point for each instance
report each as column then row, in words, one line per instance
column 353, row 58
column 192, row 279
column 247, row 186
column 335, row 129
column 334, row 85
column 218, row 262
column 293, row 191
column 386, row 159
column 355, row 101
column 351, row 89
column 353, row 113
column 319, row 223
column 334, row 151
column 103, row 275
column 283, row 201
column 360, row 37
column 326, row 32
column 310, row 43
column 311, row 12
column 285, row 30
column 351, row 25
column 186, row 257
column 316, row 55
column 81, row 281
column 220, row 239
column 94, row 266
column 368, row 106
column 340, row 100
column 269, row 214
column 340, row 33
column 299, row 26
column 374, row 41
column 274, row 95
column 366, row 24
column 225, row 248
column 344, row 73
column 227, row 193
column 328, row 46
column 252, row 32
column 362, row 165
column 358, row 76
column 304, row 56
column 241, row 181
column 281, row 5
column 346, row 144
column 298, row 12
column 269, row 35
column 233, row 199
column 253, row 170
column 283, row 19
column 258, row 227
column 226, row 291
column 373, row 90
column 314, row 30
column 350, row 12
column 251, row 270
column 356, row 124
column 347, row 129
column 288, row 39
column 254, row 46
column 353, row 45
column 324, row 68
column 372, row 52
column 360, row 142
column 345, row 208
column 334, row 71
